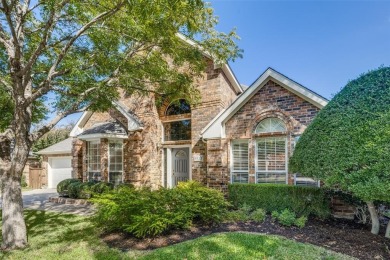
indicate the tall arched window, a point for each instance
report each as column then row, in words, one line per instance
column 271, row 152
column 178, row 126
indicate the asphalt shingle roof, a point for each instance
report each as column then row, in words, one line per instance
column 62, row 147
column 106, row 128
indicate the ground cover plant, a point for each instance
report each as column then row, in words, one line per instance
column 348, row 143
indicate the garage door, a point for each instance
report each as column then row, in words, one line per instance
column 59, row 169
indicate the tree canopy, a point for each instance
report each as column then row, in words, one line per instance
column 348, row 143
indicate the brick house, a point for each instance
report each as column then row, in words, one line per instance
column 231, row 135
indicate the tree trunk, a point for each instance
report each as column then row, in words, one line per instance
column 13, row 227
column 374, row 218
column 387, row 234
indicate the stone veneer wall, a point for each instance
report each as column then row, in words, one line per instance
column 272, row 100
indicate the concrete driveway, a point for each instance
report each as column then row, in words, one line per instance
column 39, row 200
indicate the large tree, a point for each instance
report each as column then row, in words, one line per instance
column 348, row 143
column 79, row 54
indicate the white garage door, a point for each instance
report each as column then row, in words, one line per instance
column 59, row 169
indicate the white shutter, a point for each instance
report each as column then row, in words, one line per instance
column 240, row 161
column 271, row 160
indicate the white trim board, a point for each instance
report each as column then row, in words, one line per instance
column 216, row 128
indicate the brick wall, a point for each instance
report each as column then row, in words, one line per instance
column 143, row 150
column 272, row 100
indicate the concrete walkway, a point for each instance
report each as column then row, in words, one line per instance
column 39, row 200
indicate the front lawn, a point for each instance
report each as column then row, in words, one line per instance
column 64, row 236
column 242, row 246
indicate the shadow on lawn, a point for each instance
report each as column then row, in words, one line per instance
column 63, row 233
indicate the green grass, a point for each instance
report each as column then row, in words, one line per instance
column 64, row 236
column 243, row 246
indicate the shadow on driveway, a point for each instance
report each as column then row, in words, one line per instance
column 39, row 200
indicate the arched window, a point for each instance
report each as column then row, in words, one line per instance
column 270, row 125
column 271, row 152
column 179, row 125
column 178, row 108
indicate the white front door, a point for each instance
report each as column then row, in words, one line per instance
column 180, row 165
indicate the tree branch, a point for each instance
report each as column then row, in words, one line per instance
column 46, row 128
column 7, row 11
column 51, row 75
column 45, row 37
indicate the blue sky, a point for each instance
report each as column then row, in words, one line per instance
column 319, row 44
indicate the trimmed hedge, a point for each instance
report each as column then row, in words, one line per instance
column 76, row 189
column 278, row 197
column 62, row 186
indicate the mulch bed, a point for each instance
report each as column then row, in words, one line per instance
column 343, row 236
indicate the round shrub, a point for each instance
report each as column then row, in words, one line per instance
column 102, row 187
column 85, row 190
column 62, row 186
column 73, row 189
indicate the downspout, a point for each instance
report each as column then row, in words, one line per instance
column 207, row 165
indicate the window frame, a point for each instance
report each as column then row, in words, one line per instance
column 115, row 141
column 256, row 156
column 232, row 171
column 98, row 162
column 169, row 119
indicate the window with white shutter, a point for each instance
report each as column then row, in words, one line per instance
column 271, row 160
column 240, row 162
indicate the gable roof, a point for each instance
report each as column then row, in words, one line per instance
column 133, row 123
column 225, row 67
column 104, row 130
column 63, row 147
column 216, row 128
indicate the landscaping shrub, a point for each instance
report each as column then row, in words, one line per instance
column 143, row 212
column 62, row 186
column 277, row 197
column 258, row 215
column 102, row 187
column 289, row 218
column 301, row 221
column 240, row 215
column 73, row 189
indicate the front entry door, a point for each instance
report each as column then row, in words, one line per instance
column 180, row 165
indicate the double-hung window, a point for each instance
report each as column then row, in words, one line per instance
column 93, row 165
column 240, row 162
column 115, row 174
column 271, row 160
